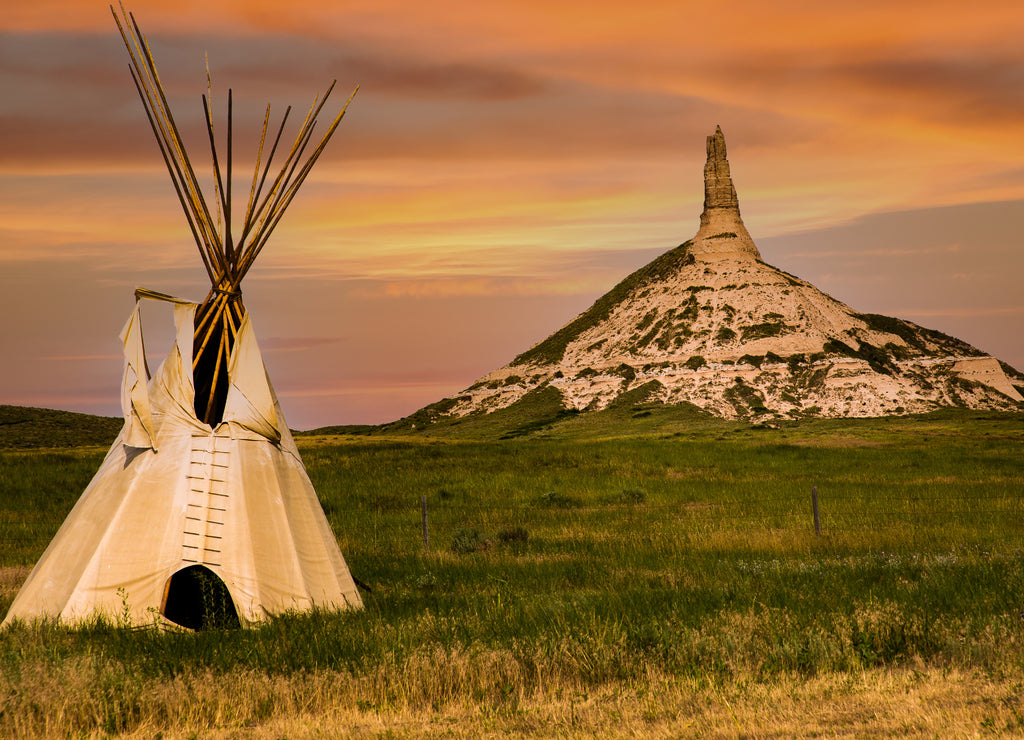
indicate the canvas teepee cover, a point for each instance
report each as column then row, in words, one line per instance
column 202, row 512
column 175, row 498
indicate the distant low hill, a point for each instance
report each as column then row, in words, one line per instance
column 23, row 427
column 537, row 415
column 637, row 413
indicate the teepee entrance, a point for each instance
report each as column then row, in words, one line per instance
column 197, row 599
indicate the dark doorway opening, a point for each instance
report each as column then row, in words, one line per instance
column 197, row 599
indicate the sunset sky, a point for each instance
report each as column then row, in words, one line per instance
column 503, row 165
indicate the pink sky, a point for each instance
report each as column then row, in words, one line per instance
column 504, row 164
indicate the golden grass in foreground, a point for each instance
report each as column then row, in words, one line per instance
column 906, row 702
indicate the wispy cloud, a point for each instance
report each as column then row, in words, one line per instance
column 490, row 286
column 959, row 312
column 81, row 358
column 887, row 252
column 295, row 344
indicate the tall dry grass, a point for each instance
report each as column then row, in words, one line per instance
column 911, row 701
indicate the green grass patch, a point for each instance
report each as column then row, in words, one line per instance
column 591, row 554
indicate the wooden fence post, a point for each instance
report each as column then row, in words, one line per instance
column 426, row 539
column 814, row 505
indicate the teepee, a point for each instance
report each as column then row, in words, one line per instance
column 202, row 513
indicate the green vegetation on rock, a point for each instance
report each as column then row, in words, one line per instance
column 917, row 336
column 725, row 334
column 763, row 330
column 552, row 349
column 626, row 372
column 746, row 399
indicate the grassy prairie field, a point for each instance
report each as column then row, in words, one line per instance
column 579, row 581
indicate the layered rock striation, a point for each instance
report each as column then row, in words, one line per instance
column 710, row 324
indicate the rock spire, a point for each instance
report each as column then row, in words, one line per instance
column 719, row 191
column 722, row 234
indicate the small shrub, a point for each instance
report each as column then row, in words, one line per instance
column 745, row 399
column 632, row 496
column 647, row 320
column 626, row 372
column 469, row 540
column 557, row 500
column 656, row 366
column 424, row 582
column 513, row 536
column 814, row 379
column 689, row 312
column 795, row 361
column 696, row 362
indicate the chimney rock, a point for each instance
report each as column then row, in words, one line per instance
column 722, row 234
column 718, row 188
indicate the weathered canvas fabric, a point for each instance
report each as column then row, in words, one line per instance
column 174, row 493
